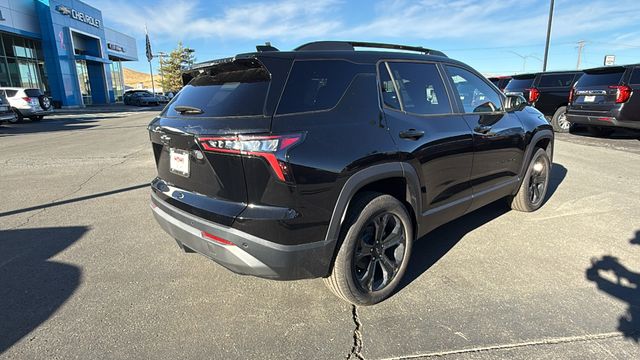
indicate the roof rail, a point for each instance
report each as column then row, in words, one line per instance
column 351, row 45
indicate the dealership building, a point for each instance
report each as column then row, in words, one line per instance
column 63, row 48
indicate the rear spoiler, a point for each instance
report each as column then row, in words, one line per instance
column 194, row 70
column 605, row 69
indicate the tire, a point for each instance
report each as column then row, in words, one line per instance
column 366, row 214
column 44, row 101
column 18, row 117
column 600, row 131
column 559, row 121
column 533, row 189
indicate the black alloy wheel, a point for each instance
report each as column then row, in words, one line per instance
column 379, row 252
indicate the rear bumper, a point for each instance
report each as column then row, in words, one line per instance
column 29, row 111
column 249, row 255
column 601, row 120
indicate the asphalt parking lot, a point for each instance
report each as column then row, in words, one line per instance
column 85, row 272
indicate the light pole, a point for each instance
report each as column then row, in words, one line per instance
column 546, row 47
column 524, row 59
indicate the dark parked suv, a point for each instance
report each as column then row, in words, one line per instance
column 606, row 98
column 547, row 92
column 329, row 162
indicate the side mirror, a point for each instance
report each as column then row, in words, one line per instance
column 515, row 103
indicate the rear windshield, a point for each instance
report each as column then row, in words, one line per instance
column 556, row 80
column 237, row 88
column 600, row 79
column 33, row 92
column 519, row 84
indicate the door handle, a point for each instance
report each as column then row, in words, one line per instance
column 411, row 134
column 482, row 129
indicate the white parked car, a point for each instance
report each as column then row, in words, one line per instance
column 27, row 103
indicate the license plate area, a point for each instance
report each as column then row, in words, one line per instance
column 179, row 162
column 589, row 98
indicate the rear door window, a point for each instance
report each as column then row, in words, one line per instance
column 421, row 88
column 316, row 85
column 600, row 79
column 555, row 80
column 229, row 89
column 519, row 84
column 475, row 94
column 635, row 76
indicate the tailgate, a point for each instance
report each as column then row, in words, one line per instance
column 595, row 90
column 222, row 99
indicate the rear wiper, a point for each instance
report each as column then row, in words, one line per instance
column 182, row 109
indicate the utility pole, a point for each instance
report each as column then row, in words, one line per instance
column 546, row 47
column 580, row 47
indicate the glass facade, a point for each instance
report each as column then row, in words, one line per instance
column 22, row 63
column 117, row 80
column 83, row 80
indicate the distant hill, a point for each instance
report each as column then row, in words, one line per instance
column 139, row 80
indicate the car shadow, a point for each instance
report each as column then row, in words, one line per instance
column 558, row 173
column 618, row 281
column 430, row 248
column 32, row 286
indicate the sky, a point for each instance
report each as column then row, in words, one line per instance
column 495, row 37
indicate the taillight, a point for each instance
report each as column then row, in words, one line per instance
column 267, row 147
column 571, row 94
column 623, row 93
column 27, row 99
column 534, row 94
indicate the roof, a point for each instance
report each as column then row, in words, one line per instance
column 341, row 50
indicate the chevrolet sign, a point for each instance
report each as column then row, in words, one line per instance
column 77, row 15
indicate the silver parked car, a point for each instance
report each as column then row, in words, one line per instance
column 27, row 103
column 6, row 114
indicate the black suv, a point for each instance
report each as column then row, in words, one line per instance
column 547, row 92
column 329, row 162
column 605, row 98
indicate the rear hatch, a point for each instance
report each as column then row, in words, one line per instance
column 221, row 99
column 520, row 85
column 595, row 91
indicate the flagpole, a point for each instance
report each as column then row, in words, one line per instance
column 153, row 87
column 149, row 58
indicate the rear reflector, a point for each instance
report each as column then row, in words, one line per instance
column 219, row 240
column 623, row 93
column 266, row 147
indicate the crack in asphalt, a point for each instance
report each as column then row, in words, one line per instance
column 550, row 341
column 125, row 158
column 356, row 350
